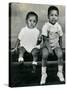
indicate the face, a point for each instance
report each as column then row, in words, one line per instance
column 53, row 17
column 31, row 22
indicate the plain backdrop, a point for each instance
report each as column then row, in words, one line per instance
column 4, row 46
column 18, row 18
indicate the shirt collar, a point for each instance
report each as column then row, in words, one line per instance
column 52, row 24
column 30, row 28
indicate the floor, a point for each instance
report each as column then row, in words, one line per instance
column 21, row 75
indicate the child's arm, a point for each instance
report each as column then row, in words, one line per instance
column 60, row 41
column 60, row 32
column 45, row 39
column 17, row 43
column 16, row 46
column 38, row 45
column 46, row 43
column 39, row 40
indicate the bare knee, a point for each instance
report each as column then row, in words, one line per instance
column 22, row 50
column 45, row 53
column 35, row 52
column 59, row 53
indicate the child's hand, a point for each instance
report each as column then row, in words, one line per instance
column 13, row 50
column 41, row 45
column 40, row 38
column 51, row 51
column 38, row 46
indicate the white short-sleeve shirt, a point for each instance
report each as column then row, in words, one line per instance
column 28, row 38
column 53, row 32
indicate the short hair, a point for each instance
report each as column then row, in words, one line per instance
column 31, row 13
column 52, row 8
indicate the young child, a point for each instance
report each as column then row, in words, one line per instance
column 28, row 39
column 52, row 41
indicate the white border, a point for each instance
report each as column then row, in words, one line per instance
column 4, row 36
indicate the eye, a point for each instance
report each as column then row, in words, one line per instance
column 34, row 21
column 51, row 14
column 56, row 15
column 30, row 20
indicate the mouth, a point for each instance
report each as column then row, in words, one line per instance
column 53, row 21
column 31, row 26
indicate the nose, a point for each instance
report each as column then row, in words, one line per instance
column 54, row 17
column 32, row 22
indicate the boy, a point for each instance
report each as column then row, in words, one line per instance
column 28, row 39
column 52, row 41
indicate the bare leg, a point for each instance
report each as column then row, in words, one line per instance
column 59, row 54
column 35, row 52
column 44, row 62
column 21, row 54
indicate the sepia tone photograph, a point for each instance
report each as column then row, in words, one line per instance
column 36, row 44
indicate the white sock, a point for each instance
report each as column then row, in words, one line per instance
column 60, row 73
column 44, row 76
column 34, row 62
column 43, row 70
column 60, row 68
column 20, row 59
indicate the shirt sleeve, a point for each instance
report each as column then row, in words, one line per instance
column 20, row 35
column 60, row 31
column 44, row 30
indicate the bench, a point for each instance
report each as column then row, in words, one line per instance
column 21, row 75
column 13, row 58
